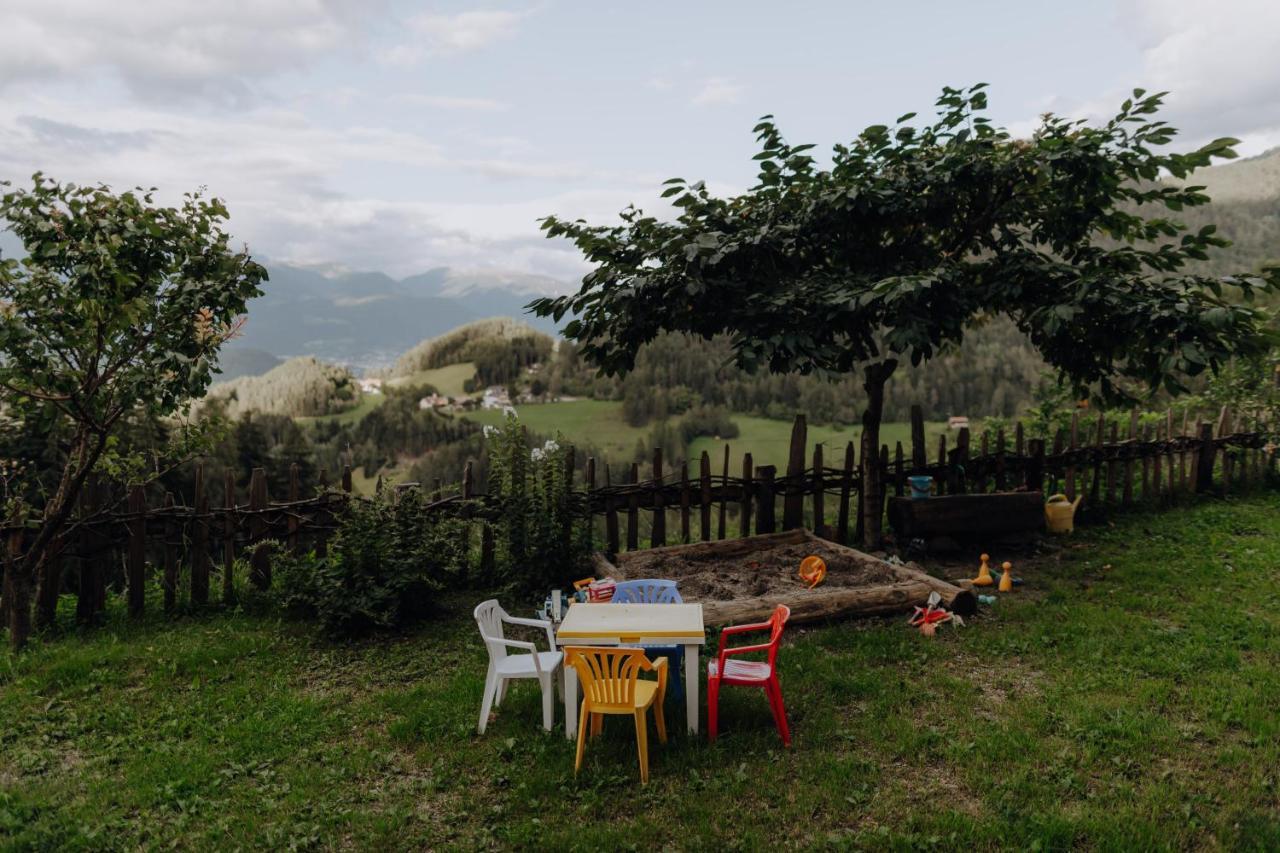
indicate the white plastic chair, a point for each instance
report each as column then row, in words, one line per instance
column 503, row 667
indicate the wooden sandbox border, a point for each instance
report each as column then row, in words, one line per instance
column 910, row 588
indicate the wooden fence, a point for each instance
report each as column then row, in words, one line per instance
column 1152, row 464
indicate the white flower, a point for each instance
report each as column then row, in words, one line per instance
column 536, row 454
column 490, row 431
column 551, row 446
column 509, row 410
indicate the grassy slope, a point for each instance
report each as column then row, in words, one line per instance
column 1125, row 699
column 447, row 380
column 769, row 441
column 368, row 402
column 599, row 422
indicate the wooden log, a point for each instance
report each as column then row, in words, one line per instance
column 260, row 556
column 633, row 510
column 658, row 530
column 764, row 517
column 704, row 477
column 819, row 605
column 846, row 486
column 171, row 544
column 724, row 489
column 748, row 472
column 137, row 561
column 967, row 516
column 684, row 502
column 793, row 496
column 819, row 489
column 919, row 452
column 229, row 539
column 1205, row 460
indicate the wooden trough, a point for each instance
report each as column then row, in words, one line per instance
column 764, row 567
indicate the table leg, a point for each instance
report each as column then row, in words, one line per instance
column 570, row 702
column 691, row 686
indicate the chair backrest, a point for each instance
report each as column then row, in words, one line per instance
column 489, row 615
column 608, row 675
column 647, row 591
column 777, row 620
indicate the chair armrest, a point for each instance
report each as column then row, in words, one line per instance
column 738, row 650
column 662, row 669
column 534, row 623
column 741, row 629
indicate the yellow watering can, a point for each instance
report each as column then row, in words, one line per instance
column 1060, row 513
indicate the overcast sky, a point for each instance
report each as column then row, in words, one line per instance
column 404, row 136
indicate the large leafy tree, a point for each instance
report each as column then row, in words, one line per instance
column 907, row 235
column 116, row 311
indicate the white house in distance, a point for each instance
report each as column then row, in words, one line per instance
column 495, row 397
column 371, row 386
column 957, row 422
column 434, row 401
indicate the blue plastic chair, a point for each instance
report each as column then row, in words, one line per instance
column 655, row 591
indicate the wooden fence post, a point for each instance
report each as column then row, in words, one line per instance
column 1095, row 487
column 200, row 542
column 1205, row 460
column 1035, row 465
column 959, row 459
column 846, row 486
column 942, row 463
column 90, row 564
column 1070, row 474
column 793, row 492
column 228, row 538
column 1146, row 463
column 171, row 543
column 295, row 494
column 658, row 531
column 1224, row 430
column 685, row 500
column 704, row 475
column 613, row 545
column 1000, row 481
column 919, row 452
column 724, row 494
column 819, row 488
column 137, row 561
column 899, row 471
column 590, row 486
column 633, row 510
column 884, row 492
column 748, row 483
column 765, row 517
column 260, row 556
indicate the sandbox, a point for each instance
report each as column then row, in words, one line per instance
column 742, row 580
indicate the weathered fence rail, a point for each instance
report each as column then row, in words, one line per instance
column 110, row 545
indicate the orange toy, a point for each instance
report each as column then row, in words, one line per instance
column 1006, row 579
column 813, row 569
column 984, row 573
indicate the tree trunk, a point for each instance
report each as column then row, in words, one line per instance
column 876, row 375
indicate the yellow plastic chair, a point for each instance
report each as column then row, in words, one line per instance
column 611, row 684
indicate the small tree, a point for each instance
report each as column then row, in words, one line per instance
column 118, row 309
column 911, row 233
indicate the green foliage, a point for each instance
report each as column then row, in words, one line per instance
column 543, row 535
column 301, row 387
column 502, row 343
column 385, row 563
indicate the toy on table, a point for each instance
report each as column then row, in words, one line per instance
column 929, row 617
column 984, row 572
column 594, row 589
column 1006, row 576
column 813, row 569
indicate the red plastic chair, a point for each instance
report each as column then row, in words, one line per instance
column 764, row 674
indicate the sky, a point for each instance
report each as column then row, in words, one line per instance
column 378, row 135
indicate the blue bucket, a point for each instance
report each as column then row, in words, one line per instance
column 921, row 487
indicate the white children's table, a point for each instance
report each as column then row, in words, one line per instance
column 629, row 625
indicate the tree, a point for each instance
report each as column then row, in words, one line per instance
column 910, row 234
column 117, row 311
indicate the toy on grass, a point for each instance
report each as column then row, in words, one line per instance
column 1006, row 576
column 929, row 617
column 813, row 569
column 984, row 573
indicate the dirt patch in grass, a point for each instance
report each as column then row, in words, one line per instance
column 716, row 577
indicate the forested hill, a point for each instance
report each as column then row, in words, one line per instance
column 1246, row 209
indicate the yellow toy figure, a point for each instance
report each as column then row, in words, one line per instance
column 1006, row 579
column 984, row 573
column 813, row 569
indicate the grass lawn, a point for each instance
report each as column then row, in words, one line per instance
column 447, row 380
column 368, row 402
column 769, row 442
column 598, row 422
column 1127, row 698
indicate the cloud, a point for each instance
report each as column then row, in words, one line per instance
column 171, row 49
column 448, row 102
column 442, row 35
column 718, row 90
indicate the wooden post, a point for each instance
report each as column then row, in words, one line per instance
column 1019, row 446
column 486, row 549
column 1059, row 441
column 295, row 494
column 200, row 543
column 744, row 524
column 633, row 509
column 1204, row 460
column 1146, row 463
column 1126, row 487
column 1035, row 465
column 704, row 475
column 724, row 496
column 979, row 477
column 793, row 493
column 899, row 472
column 1075, row 442
column 956, row 474
column 1000, row 451
column 171, row 544
column 919, row 452
column 765, row 518
column 259, row 557
column 90, row 564
column 1095, row 487
column 658, row 532
column 1171, row 484
column 1112, row 465
column 942, row 462
column 884, row 479
column 613, row 544
column 137, row 563
column 229, row 539
column 846, row 486
column 1157, row 487
column 1224, row 429
column 684, row 502
column 468, row 481
column 819, row 488
column 325, row 517
column 590, row 488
